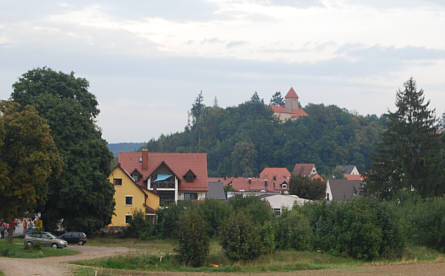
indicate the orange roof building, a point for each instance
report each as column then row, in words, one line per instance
column 291, row 110
column 173, row 176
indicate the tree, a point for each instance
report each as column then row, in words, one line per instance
column 305, row 187
column 407, row 158
column 28, row 158
column 198, row 107
column 244, row 159
column 277, row 99
column 193, row 238
column 82, row 195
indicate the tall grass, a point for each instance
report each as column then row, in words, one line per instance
column 17, row 250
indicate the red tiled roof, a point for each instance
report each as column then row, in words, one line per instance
column 254, row 185
column 303, row 169
column 354, row 177
column 277, row 172
column 295, row 114
column 291, row 94
column 179, row 163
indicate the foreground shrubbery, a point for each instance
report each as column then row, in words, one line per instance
column 363, row 228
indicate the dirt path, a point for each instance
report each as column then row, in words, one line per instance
column 403, row 269
column 55, row 266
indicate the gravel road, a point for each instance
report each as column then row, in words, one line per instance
column 55, row 266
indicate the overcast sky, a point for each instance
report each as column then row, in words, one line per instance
column 147, row 60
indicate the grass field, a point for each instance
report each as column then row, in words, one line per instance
column 147, row 258
column 17, row 250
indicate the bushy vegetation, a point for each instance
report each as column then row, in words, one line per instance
column 193, row 238
column 308, row 188
column 139, row 227
column 294, row 231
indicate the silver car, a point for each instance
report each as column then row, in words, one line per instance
column 44, row 239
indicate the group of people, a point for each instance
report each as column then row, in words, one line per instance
column 4, row 227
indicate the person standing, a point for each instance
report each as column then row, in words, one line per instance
column 2, row 230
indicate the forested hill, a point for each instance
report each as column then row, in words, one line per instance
column 115, row 148
column 242, row 140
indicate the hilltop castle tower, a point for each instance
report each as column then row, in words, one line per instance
column 291, row 110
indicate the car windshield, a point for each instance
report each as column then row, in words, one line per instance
column 50, row 235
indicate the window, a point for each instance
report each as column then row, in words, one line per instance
column 128, row 219
column 190, row 196
column 277, row 211
column 117, row 181
column 128, row 200
column 189, row 176
column 327, row 196
column 274, row 177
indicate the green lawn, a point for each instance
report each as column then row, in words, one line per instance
column 147, row 258
column 17, row 250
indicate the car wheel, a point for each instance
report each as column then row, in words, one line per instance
column 80, row 243
column 54, row 245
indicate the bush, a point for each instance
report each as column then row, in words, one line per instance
column 139, row 227
column 294, row 231
column 254, row 206
column 214, row 212
column 168, row 219
column 362, row 228
column 428, row 223
column 241, row 237
column 193, row 238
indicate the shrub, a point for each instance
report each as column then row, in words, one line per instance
column 362, row 228
column 214, row 212
column 241, row 237
column 294, row 231
column 254, row 206
column 428, row 223
column 268, row 232
column 193, row 238
column 168, row 219
column 139, row 227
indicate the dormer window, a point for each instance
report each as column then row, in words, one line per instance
column 274, row 177
column 136, row 175
column 189, row 176
column 284, row 186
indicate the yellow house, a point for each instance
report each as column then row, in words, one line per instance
column 130, row 197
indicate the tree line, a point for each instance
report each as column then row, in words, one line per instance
column 242, row 140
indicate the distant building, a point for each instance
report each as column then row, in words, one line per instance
column 291, row 110
column 278, row 202
column 340, row 189
column 348, row 169
column 172, row 176
column 307, row 170
column 216, row 190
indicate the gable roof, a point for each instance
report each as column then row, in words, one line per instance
column 291, row 94
column 346, row 169
column 216, row 190
column 317, row 176
column 277, row 172
column 178, row 163
column 295, row 113
column 344, row 189
column 141, row 188
column 303, row 169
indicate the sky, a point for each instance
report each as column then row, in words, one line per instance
column 146, row 61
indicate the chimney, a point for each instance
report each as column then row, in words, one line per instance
column 145, row 159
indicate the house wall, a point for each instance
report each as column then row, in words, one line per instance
column 291, row 104
column 355, row 171
column 283, row 116
column 128, row 188
column 201, row 195
column 152, row 200
column 328, row 192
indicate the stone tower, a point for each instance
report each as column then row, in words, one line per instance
column 291, row 100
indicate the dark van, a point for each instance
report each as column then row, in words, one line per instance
column 74, row 237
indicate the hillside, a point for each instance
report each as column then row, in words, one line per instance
column 124, row 147
column 242, row 140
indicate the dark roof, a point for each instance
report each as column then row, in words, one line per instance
column 216, row 191
column 303, row 169
column 344, row 189
column 346, row 169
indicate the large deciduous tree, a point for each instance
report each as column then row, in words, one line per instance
column 305, row 187
column 28, row 158
column 407, row 158
column 82, row 195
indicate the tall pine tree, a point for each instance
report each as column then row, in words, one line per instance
column 407, row 157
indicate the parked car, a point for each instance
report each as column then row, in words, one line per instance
column 74, row 237
column 44, row 239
